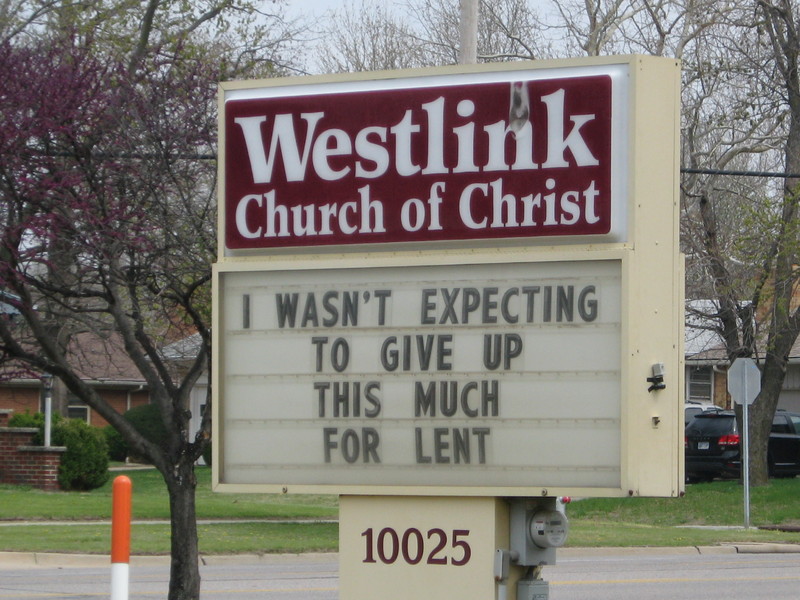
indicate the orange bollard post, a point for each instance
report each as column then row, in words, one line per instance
column 120, row 537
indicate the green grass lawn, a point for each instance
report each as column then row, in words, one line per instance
column 219, row 538
column 594, row 522
column 683, row 521
column 150, row 502
column 718, row 503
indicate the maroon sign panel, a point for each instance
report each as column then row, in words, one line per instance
column 512, row 159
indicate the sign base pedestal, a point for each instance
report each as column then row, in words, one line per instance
column 400, row 547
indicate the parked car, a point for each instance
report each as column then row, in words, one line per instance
column 692, row 408
column 712, row 446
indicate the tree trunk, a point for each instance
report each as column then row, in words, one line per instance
column 184, row 583
column 762, row 411
column 760, row 415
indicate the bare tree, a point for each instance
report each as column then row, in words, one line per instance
column 426, row 33
column 107, row 232
column 738, row 233
column 780, row 21
column 369, row 37
column 593, row 27
column 740, row 111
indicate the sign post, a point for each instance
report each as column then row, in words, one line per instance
column 744, row 385
column 441, row 295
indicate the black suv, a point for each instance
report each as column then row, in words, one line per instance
column 712, row 446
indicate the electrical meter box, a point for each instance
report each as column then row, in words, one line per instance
column 537, row 529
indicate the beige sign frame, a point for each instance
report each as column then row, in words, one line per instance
column 651, row 292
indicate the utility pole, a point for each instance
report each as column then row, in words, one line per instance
column 468, row 29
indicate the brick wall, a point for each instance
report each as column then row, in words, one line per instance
column 721, row 396
column 119, row 400
column 19, row 399
column 21, row 463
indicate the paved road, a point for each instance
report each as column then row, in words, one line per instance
column 580, row 575
column 304, row 577
column 653, row 576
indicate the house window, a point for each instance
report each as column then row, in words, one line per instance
column 700, row 384
column 77, row 409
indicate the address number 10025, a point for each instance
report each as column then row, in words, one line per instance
column 435, row 547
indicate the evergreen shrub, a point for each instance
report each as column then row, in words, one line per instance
column 84, row 465
column 117, row 447
column 146, row 419
column 27, row 419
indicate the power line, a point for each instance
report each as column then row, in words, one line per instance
column 213, row 157
column 741, row 173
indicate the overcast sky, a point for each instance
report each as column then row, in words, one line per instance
column 315, row 6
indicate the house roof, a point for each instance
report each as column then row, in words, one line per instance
column 718, row 354
column 184, row 349
column 703, row 343
column 94, row 357
column 700, row 333
column 102, row 357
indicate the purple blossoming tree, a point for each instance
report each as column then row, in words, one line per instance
column 108, row 207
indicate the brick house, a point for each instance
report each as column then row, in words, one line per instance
column 100, row 360
column 102, row 363
column 706, row 364
column 707, row 378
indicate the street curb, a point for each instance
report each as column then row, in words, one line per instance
column 605, row 551
column 767, row 548
column 728, row 548
column 233, row 559
column 56, row 559
column 21, row 560
column 30, row 560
